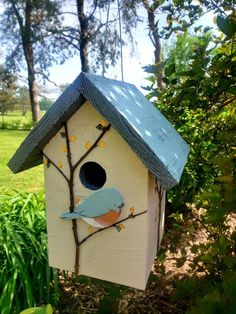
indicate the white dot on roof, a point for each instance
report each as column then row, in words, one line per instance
column 138, row 104
column 128, row 111
column 131, row 92
column 120, row 91
column 111, row 96
column 148, row 133
column 162, row 158
column 137, row 120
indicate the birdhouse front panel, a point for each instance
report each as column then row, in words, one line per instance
column 119, row 253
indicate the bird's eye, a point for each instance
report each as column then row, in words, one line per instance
column 92, row 175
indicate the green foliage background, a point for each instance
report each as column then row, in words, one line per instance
column 25, row 277
column 199, row 99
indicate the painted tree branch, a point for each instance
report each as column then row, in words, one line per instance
column 72, row 199
column 53, row 163
column 70, row 182
column 69, row 158
column 71, row 186
column 160, row 191
column 131, row 216
column 105, row 129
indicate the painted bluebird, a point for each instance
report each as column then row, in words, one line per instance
column 100, row 209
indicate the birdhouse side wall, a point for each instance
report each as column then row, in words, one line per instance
column 117, row 254
column 156, row 215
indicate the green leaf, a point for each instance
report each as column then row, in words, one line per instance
column 225, row 179
column 63, row 134
column 229, row 261
column 150, row 68
column 153, row 69
column 180, row 262
column 170, row 69
column 196, row 29
column 100, row 127
column 226, row 25
column 110, row 302
column 232, row 90
column 38, row 310
column 213, row 297
column 205, row 258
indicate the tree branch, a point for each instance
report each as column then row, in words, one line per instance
column 72, row 199
column 131, row 216
column 19, row 18
column 61, row 172
column 94, row 9
column 93, row 146
column 218, row 8
column 71, row 180
column 160, row 192
column 101, row 25
column 69, row 42
column 46, row 77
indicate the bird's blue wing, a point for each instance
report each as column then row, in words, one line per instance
column 100, row 203
column 97, row 204
column 69, row 215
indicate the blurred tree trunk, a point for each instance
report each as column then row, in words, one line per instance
column 84, row 39
column 26, row 39
column 29, row 30
column 33, row 87
column 154, row 36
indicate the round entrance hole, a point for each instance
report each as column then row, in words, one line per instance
column 92, row 175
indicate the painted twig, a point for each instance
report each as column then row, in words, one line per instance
column 105, row 129
column 70, row 182
column 131, row 216
column 71, row 208
column 159, row 189
column 72, row 199
column 53, row 163
column 71, row 185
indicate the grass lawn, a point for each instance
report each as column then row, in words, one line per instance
column 29, row 180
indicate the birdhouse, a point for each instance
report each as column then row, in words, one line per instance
column 109, row 157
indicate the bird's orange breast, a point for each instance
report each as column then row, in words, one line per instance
column 109, row 218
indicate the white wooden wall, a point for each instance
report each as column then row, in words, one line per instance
column 120, row 257
column 155, row 220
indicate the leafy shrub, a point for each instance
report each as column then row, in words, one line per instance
column 16, row 125
column 199, row 99
column 25, row 277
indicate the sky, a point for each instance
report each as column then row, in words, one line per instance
column 132, row 64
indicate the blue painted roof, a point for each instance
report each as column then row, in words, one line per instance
column 142, row 126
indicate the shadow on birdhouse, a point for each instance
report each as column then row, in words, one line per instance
column 109, row 156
